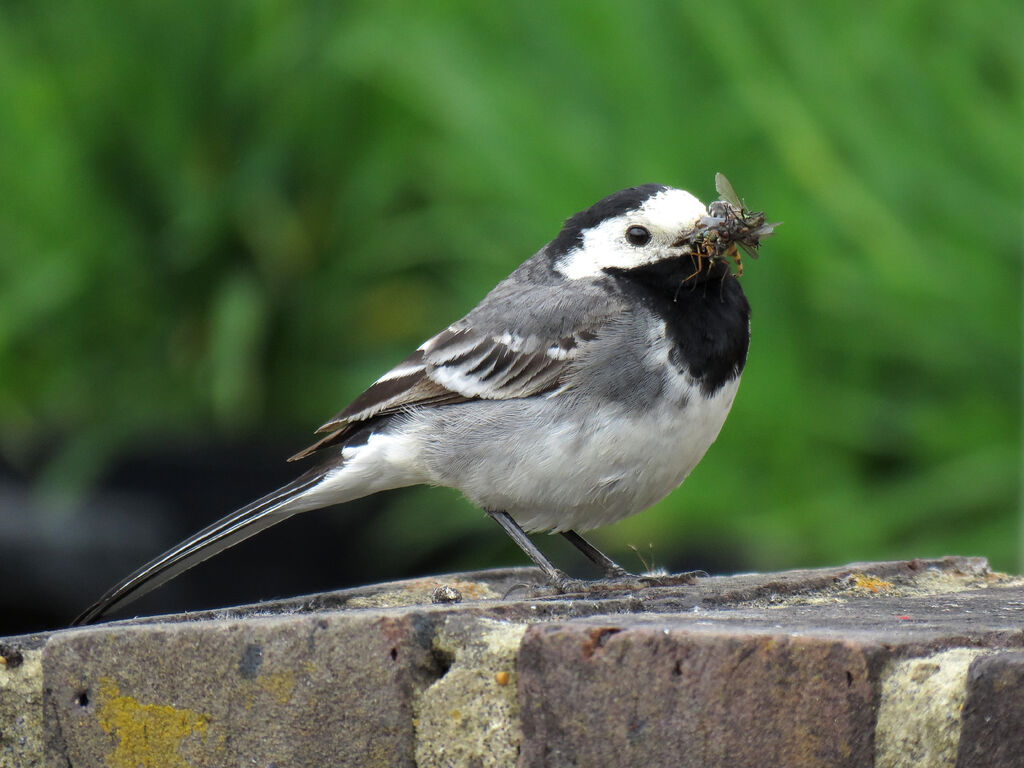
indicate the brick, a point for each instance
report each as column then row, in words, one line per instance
column 673, row 695
column 919, row 715
column 789, row 678
column 992, row 734
column 21, row 703
column 308, row 691
column 792, row 668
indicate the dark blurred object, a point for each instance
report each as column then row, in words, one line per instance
column 49, row 563
column 53, row 563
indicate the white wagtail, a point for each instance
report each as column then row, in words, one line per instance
column 582, row 389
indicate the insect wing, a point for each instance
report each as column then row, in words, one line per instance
column 726, row 192
column 750, row 250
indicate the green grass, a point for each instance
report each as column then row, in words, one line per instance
column 226, row 219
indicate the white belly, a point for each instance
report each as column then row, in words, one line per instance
column 553, row 464
column 572, row 473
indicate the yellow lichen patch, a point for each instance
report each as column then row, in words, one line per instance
column 871, row 583
column 149, row 735
column 278, row 684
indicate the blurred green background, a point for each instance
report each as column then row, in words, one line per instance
column 220, row 221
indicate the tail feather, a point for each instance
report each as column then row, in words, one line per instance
column 226, row 532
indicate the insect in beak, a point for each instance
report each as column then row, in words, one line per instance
column 727, row 227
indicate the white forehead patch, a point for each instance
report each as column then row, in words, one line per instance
column 666, row 216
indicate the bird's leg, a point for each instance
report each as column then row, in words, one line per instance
column 612, row 570
column 617, row 576
column 557, row 577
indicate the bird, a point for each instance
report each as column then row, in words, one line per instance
column 582, row 389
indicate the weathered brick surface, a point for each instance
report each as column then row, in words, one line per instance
column 672, row 694
column 21, row 703
column 993, row 715
column 312, row 691
column 830, row 667
column 795, row 685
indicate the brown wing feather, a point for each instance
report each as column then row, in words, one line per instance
column 456, row 366
column 420, row 393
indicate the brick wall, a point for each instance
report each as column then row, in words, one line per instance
column 891, row 664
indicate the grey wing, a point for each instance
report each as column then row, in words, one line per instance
column 519, row 342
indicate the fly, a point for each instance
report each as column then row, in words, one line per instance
column 728, row 225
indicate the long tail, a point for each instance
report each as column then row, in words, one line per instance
column 226, row 532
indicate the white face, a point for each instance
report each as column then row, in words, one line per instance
column 666, row 215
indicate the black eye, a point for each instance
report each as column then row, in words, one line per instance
column 638, row 236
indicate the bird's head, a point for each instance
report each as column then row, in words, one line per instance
column 641, row 227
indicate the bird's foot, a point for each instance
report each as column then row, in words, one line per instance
column 621, row 579
column 614, row 581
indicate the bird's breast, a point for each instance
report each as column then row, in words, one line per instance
column 562, row 464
